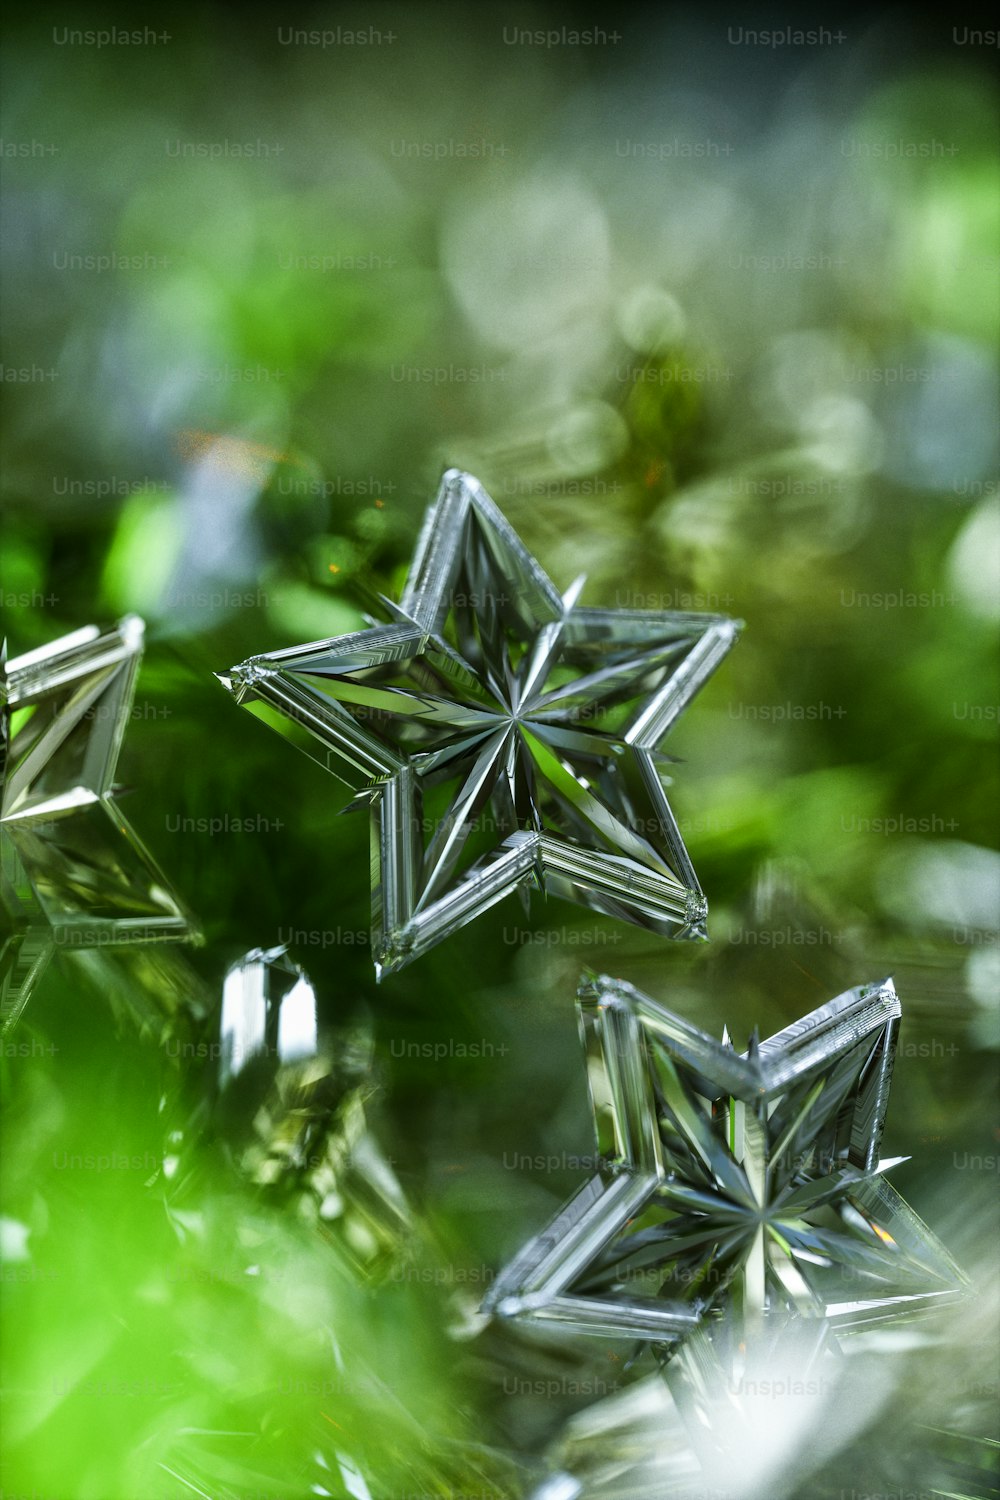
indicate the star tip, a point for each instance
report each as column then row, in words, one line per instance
column 132, row 629
column 589, row 986
column 507, row 1307
column 885, row 987
column 226, row 679
column 385, row 960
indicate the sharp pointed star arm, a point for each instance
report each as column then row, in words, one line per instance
column 438, row 554
column 536, row 1282
column 652, row 723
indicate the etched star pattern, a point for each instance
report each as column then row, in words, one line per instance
column 502, row 735
column 74, row 874
column 749, row 1183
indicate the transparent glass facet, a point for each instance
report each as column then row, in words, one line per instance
column 500, row 735
column 745, row 1182
column 74, row 875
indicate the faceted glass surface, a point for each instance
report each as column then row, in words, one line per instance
column 502, row 736
column 749, row 1182
column 74, row 875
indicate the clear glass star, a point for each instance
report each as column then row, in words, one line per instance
column 501, row 735
column 750, row 1183
column 74, row 875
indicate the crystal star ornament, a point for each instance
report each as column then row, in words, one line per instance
column 502, row 736
column 74, row 875
column 749, row 1183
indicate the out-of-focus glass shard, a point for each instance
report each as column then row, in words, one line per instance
column 749, row 1404
column 71, row 867
column 292, row 1107
column 244, row 1015
column 729, row 1417
column 632, row 1442
column 24, row 957
column 501, row 735
column 746, row 1182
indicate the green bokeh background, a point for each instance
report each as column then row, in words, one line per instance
column 716, row 325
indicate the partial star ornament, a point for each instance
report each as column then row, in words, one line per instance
column 292, row 1106
column 501, row 735
column 746, row 1184
column 74, row 874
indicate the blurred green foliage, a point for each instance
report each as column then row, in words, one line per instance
column 760, row 380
